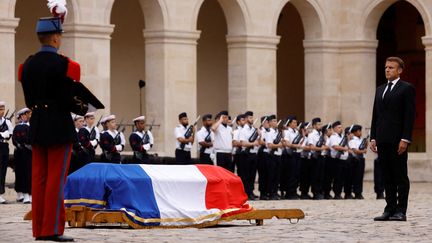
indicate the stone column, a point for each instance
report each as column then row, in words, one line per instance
column 252, row 74
column 338, row 85
column 171, row 82
column 322, row 80
column 358, row 81
column 427, row 42
column 8, row 77
column 89, row 45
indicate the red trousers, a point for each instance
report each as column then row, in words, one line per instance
column 50, row 165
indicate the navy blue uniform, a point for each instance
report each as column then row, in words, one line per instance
column 22, row 157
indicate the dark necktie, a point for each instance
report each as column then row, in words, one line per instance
column 387, row 93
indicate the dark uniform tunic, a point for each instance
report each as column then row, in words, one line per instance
column 47, row 79
column 109, row 142
column 22, row 157
column 138, row 142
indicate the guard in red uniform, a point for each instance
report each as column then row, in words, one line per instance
column 48, row 83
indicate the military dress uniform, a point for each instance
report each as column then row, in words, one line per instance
column 305, row 168
column 6, row 131
column 262, row 164
column 223, row 145
column 358, row 167
column 249, row 160
column 78, row 157
column 112, row 142
column 273, row 164
column 23, row 159
column 339, row 163
column 141, row 142
column 292, row 165
column 317, row 164
column 183, row 150
column 48, row 80
column 205, row 153
column 89, row 139
column 237, row 151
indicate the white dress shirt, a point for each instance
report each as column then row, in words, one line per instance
column 179, row 132
column 223, row 139
column 201, row 135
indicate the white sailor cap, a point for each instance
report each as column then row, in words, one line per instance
column 89, row 114
column 2, row 103
column 109, row 118
column 140, row 118
column 22, row 111
column 77, row 117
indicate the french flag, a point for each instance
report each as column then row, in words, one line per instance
column 153, row 195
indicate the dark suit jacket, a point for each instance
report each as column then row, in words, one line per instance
column 393, row 118
column 48, row 92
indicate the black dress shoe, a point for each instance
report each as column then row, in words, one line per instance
column 305, row 196
column 57, row 238
column 380, row 196
column 348, row 196
column 359, row 196
column 398, row 217
column 384, row 217
column 337, row 197
column 318, row 196
column 274, row 197
column 327, row 196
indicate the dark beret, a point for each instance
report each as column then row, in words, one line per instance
column 271, row 117
column 207, row 116
column 336, row 123
column 316, row 120
column 181, row 115
column 248, row 113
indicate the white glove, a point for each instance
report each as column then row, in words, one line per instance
column 5, row 134
column 119, row 148
column 93, row 142
column 146, row 147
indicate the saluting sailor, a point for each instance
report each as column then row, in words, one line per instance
column 141, row 141
column 22, row 156
column 6, row 131
column 223, row 141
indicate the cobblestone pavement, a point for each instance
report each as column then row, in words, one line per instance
column 326, row 221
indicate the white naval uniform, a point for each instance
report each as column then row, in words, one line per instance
column 179, row 132
column 245, row 134
column 270, row 137
column 201, row 135
column 335, row 139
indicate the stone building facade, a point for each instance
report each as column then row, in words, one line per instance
column 307, row 57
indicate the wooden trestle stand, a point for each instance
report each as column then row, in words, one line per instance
column 81, row 216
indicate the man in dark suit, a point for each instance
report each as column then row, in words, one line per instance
column 392, row 123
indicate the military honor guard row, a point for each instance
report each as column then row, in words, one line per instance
column 291, row 158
